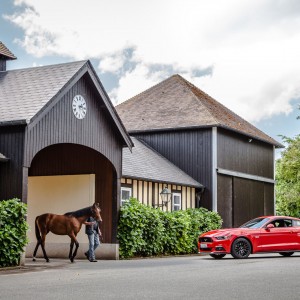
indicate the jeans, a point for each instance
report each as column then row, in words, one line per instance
column 94, row 242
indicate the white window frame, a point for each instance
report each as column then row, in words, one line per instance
column 127, row 189
column 176, row 206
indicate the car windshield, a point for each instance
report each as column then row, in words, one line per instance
column 255, row 223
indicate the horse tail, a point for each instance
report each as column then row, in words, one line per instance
column 37, row 229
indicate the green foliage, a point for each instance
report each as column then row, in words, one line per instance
column 13, row 229
column 288, row 179
column 145, row 231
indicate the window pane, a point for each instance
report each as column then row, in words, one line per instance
column 125, row 195
column 176, row 200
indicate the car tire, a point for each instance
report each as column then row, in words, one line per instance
column 286, row 254
column 241, row 248
column 217, row 256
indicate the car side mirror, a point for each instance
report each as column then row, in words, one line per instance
column 269, row 226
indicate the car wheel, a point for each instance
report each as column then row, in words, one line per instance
column 217, row 256
column 241, row 248
column 286, row 254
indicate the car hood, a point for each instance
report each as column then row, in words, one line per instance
column 220, row 232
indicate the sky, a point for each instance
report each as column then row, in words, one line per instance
column 243, row 53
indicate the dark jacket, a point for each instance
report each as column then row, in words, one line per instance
column 92, row 229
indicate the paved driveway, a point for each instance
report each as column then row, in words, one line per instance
column 187, row 277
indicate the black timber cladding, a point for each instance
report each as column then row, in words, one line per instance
column 190, row 150
column 240, row 153
column 241, row 199
column 59, row 125
column 11, row 172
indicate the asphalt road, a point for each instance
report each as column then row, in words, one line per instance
column 187, row 277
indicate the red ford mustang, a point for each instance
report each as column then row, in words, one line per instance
column 261, row 235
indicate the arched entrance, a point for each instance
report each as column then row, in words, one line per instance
column 67, row 177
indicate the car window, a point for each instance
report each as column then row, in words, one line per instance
column 256, row 223
column 282, row 223
column 288, row 223
column 296, row 223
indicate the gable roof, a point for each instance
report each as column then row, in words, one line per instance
column 147, row 164
column 5, row 52
column 26, row 94
column 175, row 103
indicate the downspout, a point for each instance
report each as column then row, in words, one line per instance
column 214, row 169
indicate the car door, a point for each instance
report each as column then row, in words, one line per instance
column 281, row 237
column 296, row 232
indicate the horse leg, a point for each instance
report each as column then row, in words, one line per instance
column 75, row 252
column 71, row 249
column 43, row 247
column 74, row 240
column 36, row 249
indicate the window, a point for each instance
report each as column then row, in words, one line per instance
column 126, row 193
column 176, row 201
column 282, row 223
column 296, row 223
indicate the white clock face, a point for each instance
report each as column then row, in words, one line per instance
column 79, row 107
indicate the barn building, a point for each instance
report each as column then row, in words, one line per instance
column 232, row 158
column 61, row 144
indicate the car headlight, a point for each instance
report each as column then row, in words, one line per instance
column 223, row 237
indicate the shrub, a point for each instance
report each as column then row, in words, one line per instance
column 13, row 229
column 145, row 231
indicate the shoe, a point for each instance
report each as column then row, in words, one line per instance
column 87, row 255
column 93, row 260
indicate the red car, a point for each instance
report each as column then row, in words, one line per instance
column 260, row 235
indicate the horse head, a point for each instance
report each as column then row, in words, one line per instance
column 96, row 212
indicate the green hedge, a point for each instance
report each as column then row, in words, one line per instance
column 13, row 229
column 145, row 231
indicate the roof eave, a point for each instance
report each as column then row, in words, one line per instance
column 109, row 106
column 200, row 186
column 276, row 144
column 13, row 123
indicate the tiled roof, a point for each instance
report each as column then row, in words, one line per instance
column 145, row 163
column 5, row 52
column 24, row 92
column 175, row 103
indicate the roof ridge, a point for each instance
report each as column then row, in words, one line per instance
column 47, row 66
column 147, row 90
column 189, row 85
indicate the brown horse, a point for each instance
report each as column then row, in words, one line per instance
column 68, row 224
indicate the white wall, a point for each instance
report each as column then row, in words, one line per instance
column 58, row 195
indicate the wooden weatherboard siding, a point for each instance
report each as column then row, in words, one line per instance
column 59, row 125
column 189, row 150
column 235, row 152
column 11, row 172
column 247, row 190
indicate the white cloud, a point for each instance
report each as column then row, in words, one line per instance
column 139, row 79
column 252, row 45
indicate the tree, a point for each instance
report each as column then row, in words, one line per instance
column 288, row 179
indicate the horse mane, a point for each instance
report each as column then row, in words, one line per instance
column 79, row 213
